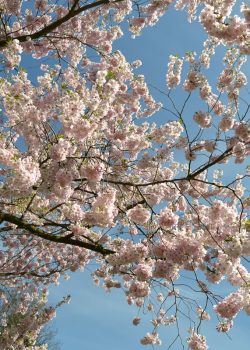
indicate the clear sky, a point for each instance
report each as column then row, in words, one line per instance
column 96, row 320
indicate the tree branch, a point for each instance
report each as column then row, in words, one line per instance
column 36, row 231
column 52, row 26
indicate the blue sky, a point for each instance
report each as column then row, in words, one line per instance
column 98, row 320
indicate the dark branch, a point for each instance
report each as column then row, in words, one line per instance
column 52, row 26
column 36, row 231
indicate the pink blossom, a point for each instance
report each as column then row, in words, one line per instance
column 202, row 314
column 167, row 218
column 226, row 123
column 143, row 272
column 136, row 321
column 173, row 76
column 203, row 119
column 139, row 289
column 92, row 172
column 197, row 342
column 139, row 214
column 60, row 150
column 230, row 306
column 224, row 326
column 151, row 338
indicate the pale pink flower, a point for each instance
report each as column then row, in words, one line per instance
column 136, row 321
column 173, row 76
column 139, row 214
column 224, row 326
column 167, row 218
column 202, row 314
column 226, row 123
column 139, row 289
column 230, row 306
column 203, row 119
column 151, row 338
column 143, row 272
column 92, row 172
column 196, row 341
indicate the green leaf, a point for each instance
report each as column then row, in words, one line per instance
column 110, row 75
column 22, row 69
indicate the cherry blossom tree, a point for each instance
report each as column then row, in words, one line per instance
column 85, row 178
column 24, row 320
